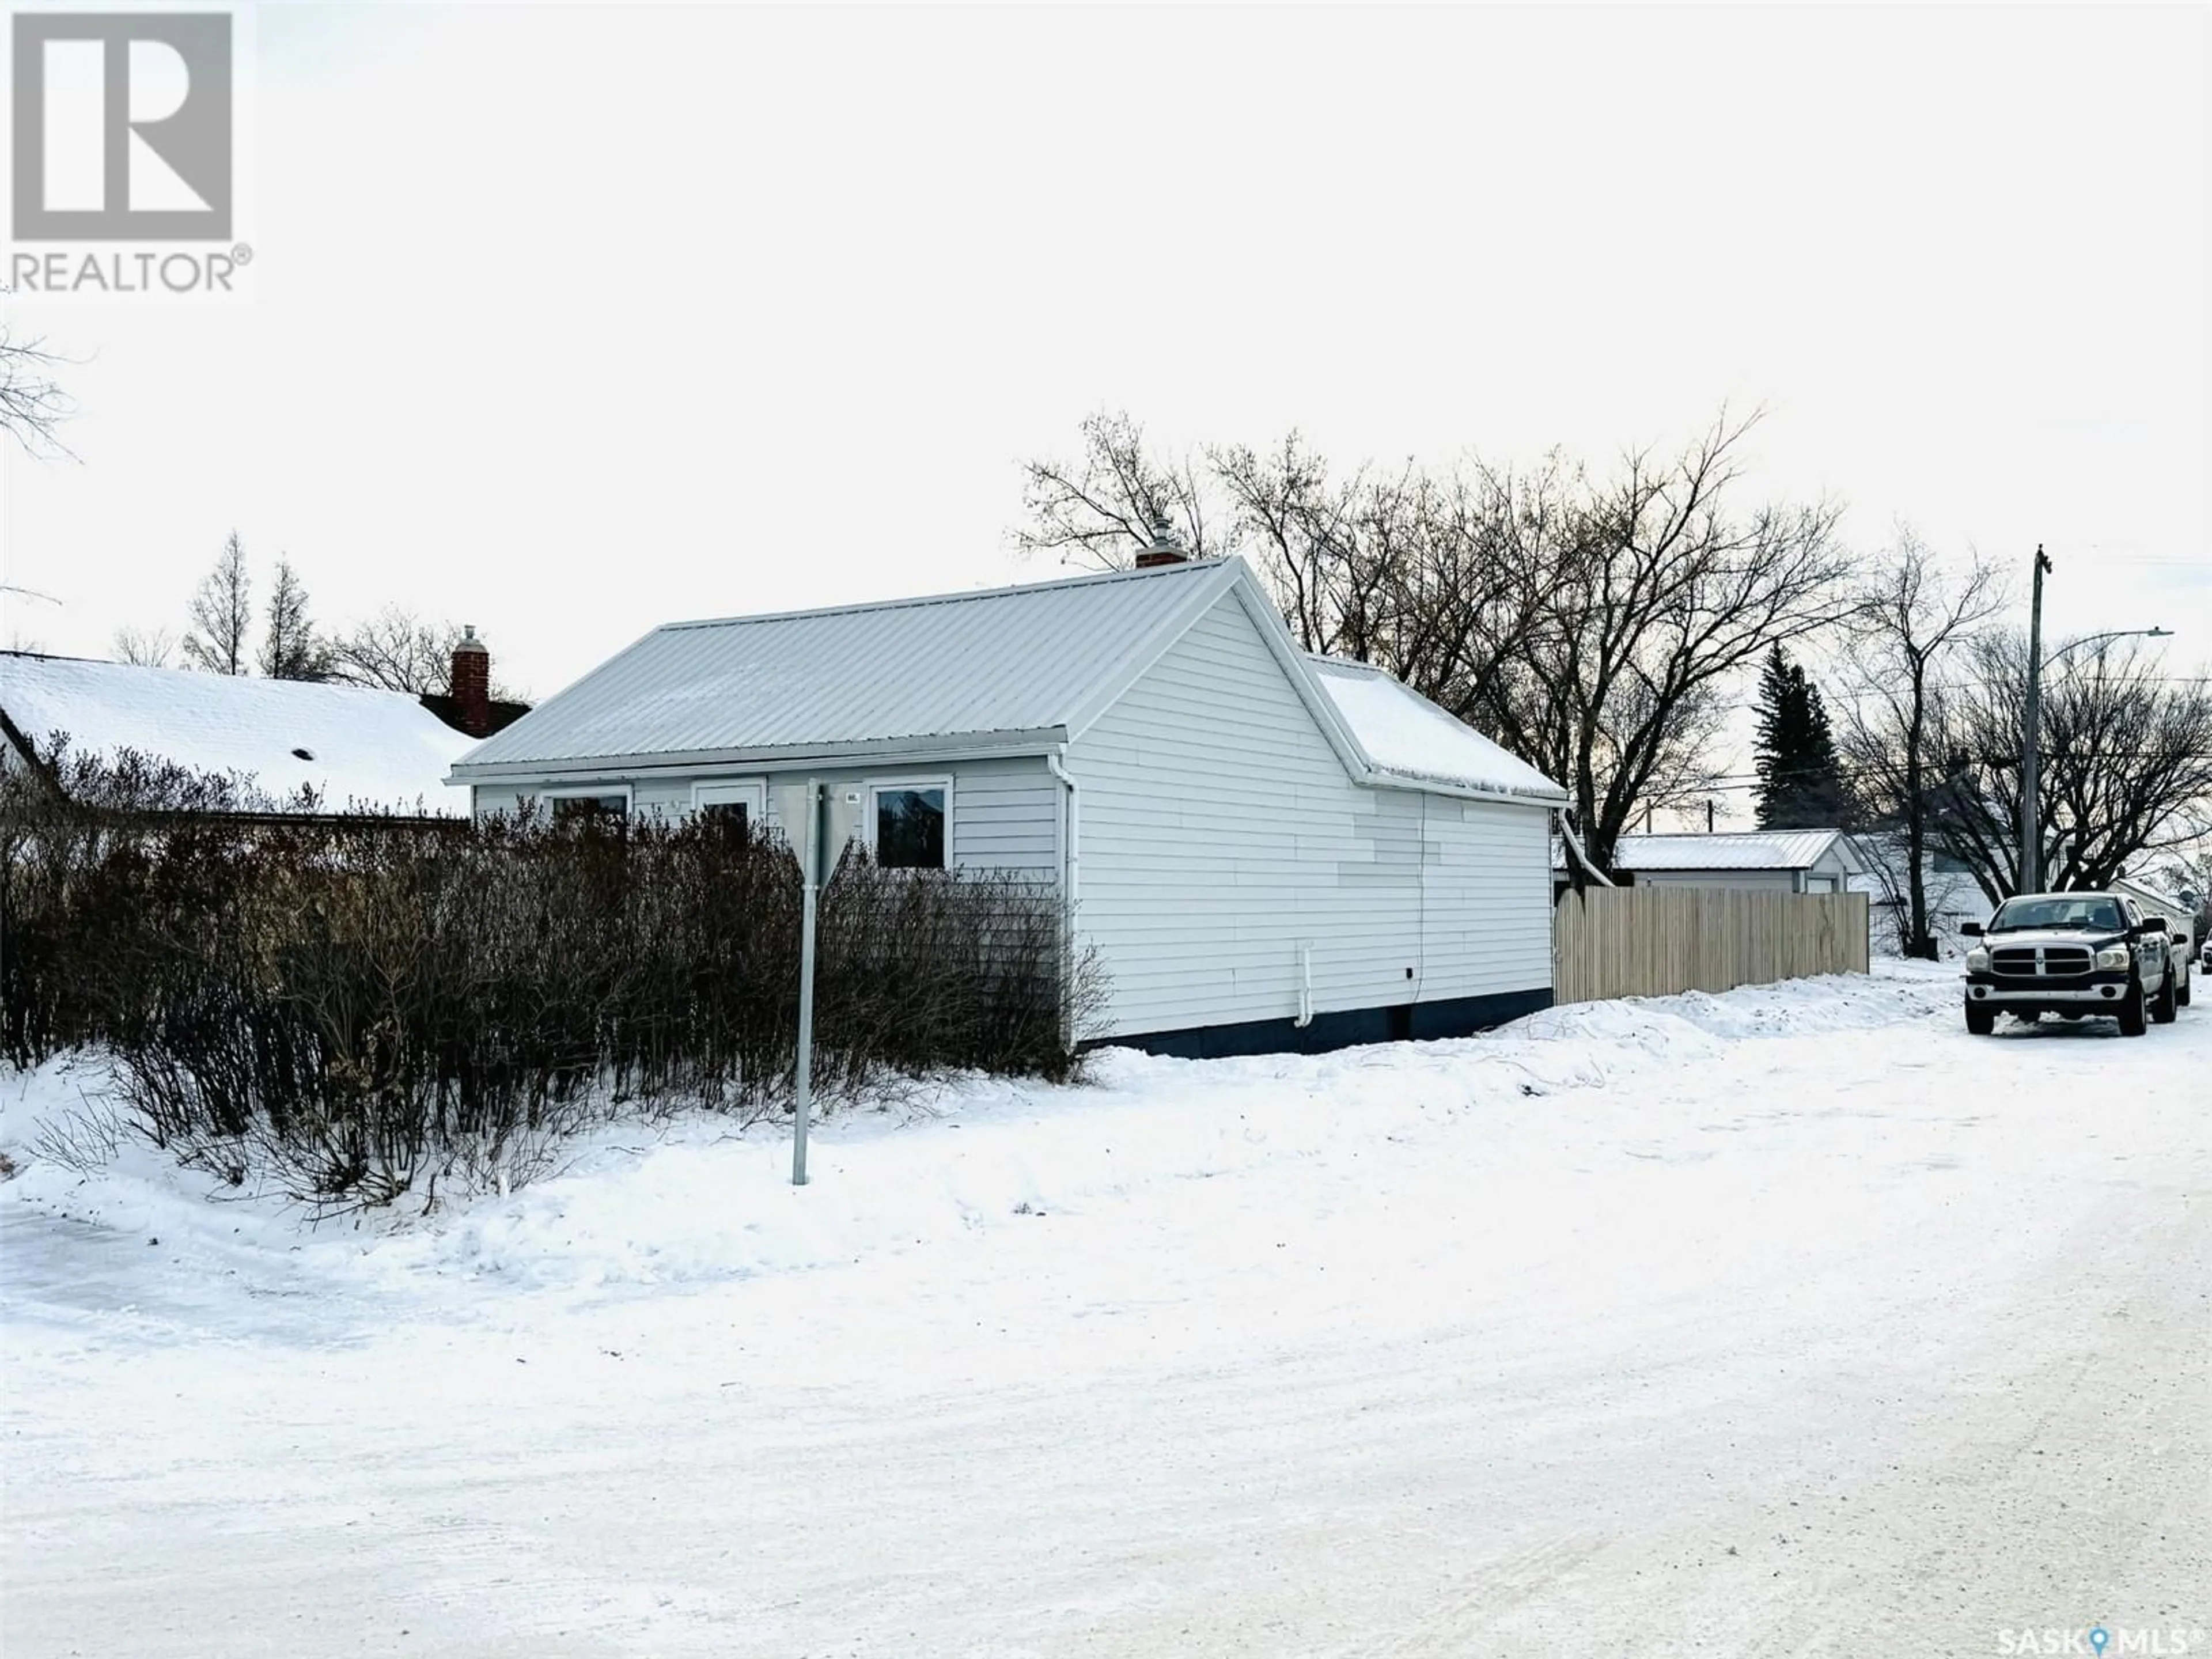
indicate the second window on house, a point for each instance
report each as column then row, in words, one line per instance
column 908, row 825
column 733, row 806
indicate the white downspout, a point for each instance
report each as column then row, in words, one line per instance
column 1305, row 986
column 1567, row 835
column 1071, row 877
column 1057, row 763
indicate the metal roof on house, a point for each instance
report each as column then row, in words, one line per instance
column 999, row 663
column 1009, row 668
column 356, row 747
column 1731, row 849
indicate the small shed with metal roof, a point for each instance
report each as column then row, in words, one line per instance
column 1265, row 850
column 1747, row 860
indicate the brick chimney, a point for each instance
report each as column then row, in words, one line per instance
column 1164, row 548
column 471, row 687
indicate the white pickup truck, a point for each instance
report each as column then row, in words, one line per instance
column 2075, row 955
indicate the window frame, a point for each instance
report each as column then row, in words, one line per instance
column 875, row 787
column 590, row 792
column 752, row 793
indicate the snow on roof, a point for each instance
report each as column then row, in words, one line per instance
column 2165, row 902
column 1000, row 660
column 1729, row 849
column 1404, row 732
column 358, row 748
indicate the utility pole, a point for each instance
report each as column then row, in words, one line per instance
column 2031, row 780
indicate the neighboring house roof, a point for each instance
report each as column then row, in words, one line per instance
column 1007, row 668
column 1729, row 849
column 1403, row 733
column 357, row 748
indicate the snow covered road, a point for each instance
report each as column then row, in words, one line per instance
column 1788, row 1321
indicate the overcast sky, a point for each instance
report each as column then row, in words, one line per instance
column 574, row 320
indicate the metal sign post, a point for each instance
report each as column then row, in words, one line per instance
column 814, row 861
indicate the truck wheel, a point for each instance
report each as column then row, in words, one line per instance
column 2131, row 1010
column 2188, row 979
column 1980, row 1020
column 2161, row 1006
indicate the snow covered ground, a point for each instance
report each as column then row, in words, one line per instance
column 1793, row 1321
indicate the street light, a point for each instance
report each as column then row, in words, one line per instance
column 2031, row 780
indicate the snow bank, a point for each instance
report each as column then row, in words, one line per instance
column 700, row 1199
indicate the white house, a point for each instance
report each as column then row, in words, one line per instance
column 356, row 747
column 1268, row 851
column 1948, row 887
column 1745, row 860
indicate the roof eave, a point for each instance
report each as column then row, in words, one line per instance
column 1382, row 779
column 782, row 757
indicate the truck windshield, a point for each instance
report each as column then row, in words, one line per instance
column 2061, row 910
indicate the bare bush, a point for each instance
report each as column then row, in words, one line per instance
column 357, row 1008
column 83, row 1138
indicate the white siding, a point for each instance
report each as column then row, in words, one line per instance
column 1220, row 835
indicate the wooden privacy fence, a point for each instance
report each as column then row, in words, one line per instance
column 1656, row 941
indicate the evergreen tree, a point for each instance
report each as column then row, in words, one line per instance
column 222, row 616
column 1801, row 785
column 290, row 649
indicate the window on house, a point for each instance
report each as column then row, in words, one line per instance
column 911, row 825
column 567, row 808
column 734, row 806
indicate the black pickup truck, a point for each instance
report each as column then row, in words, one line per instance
column 2073, row 955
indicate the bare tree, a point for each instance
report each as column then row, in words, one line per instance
column 1100, row 509
column 2126, row 763
column 1913, row 615
column 1590, row 627
column 145, row 647
column 397, row 651
column 31, row 401
column 1421, row 574
column 1652, row 598
column 289, row 647
column 221, row 615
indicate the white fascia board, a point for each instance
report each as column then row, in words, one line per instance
column 788, row 757
column 1357, row 764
